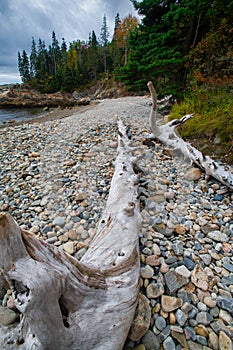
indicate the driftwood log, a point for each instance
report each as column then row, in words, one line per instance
column 166, row 133
column 69, row 304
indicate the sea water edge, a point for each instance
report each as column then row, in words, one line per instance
column 18, row 114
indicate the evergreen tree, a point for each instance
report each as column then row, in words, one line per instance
column 62, row 69
column 24, row 67
column 93, row 55
column 42, row 60
column 94, row 41
column 115, row 50
column 159, row 48
column 33, row 59
column 117, row 23
column 20, row 66
column 104, row 34
column 63, row 54
column 55, row 51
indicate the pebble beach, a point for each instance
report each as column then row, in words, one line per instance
column 55, row 178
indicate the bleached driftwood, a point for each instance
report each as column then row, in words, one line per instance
column 166, row 133
column 69, row 304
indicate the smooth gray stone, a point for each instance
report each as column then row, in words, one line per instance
column 7, row 316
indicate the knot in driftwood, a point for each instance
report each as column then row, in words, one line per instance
column 129, row 210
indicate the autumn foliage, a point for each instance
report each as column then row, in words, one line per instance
column 122, row 34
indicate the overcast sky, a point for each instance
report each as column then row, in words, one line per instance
column 20, row 20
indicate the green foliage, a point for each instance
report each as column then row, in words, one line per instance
column 213, row 119
column 163, row 47
column 33, row 59
column 24, row 67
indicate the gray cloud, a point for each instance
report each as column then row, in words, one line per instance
column 20, row 20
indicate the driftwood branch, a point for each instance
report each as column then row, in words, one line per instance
column 69, row 304
column 167, row 135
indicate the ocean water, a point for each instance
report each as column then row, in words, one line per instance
column 18, row 114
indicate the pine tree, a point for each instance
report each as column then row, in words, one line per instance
column 33, row 59
column 42, row 60
column 20, row 67
column 55, row 51
column 25, row 67
column 104, row 34
column 93, row 56
column 117, row 23
column 63, row 54
column 115, row 50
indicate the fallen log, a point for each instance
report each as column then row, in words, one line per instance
column 69, row 304
column 166, row 133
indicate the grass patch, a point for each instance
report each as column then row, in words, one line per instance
column 212, row 126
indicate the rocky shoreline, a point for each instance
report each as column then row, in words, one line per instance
column 22, row 96
column 50, row 114
column 55, row 178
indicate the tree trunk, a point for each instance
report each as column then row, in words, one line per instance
column 167, row 135
column 69, row 304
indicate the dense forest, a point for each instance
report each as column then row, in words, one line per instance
column 178, row 44
column 63, row 67
column 181, row 43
